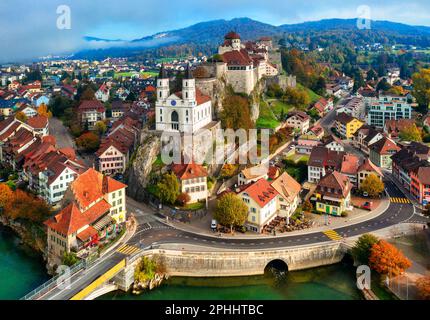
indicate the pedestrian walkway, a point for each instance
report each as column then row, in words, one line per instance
column 128, row 250
column 333, row 235
column 400, row 200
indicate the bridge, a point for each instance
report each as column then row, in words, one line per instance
column 204, row 263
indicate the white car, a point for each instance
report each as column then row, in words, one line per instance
column 214, row 224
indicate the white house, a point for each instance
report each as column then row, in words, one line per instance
column 193, row 180
column 261, row 199
column 102, row 93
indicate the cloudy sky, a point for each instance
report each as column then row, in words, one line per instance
column 28, row 28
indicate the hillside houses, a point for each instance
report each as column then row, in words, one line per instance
column 117, row 147
column 411, row 167
column 90, row 112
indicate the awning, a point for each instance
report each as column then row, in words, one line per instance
column 103, row 222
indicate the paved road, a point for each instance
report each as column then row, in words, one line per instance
column 61, row 133
column 150, row 231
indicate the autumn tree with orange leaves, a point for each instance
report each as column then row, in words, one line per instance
column 386, row 259
column 44, row 111
column 19, row 204
column 423, row 286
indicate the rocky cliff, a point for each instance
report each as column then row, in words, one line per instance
column 138, row 173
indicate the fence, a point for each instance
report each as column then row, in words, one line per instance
column 53, row 282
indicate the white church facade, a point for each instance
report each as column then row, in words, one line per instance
column 185, row 111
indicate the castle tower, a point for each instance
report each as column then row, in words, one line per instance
column 234, row 39
column 189, row 86
column 163, row 90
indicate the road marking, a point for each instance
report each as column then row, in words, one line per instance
column 333, row 235
column 399, row 200
column 128, row 250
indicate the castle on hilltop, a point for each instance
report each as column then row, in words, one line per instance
column 244, row 64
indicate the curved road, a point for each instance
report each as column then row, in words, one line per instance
column 154, row 233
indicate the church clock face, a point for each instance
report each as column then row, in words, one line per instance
column 173, row 103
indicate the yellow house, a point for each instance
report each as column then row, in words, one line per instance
column 347, row 125
column 333, row 194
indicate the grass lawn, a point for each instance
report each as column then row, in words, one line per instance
column 124, row 74
column 149, row 74
column 194, row 206
column 312, row 95
column 297, row 158
column 277, row 107
column 267, row 118
column 168, row 60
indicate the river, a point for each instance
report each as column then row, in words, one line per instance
column 21, row 270
column 335, row 282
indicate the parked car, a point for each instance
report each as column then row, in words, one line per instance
column 367, row 206
column 214, row 224
column 365, row 194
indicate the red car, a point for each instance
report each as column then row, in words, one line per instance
column 367, row 206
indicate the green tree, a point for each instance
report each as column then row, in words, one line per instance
column 168, row 188
column 69, row 259
column 383, row 85
column 101, row 127
column 231, row 211
column 411, row 133
column 236, row 113
column 361, row 250
column 372, row 185
column 421, row 89
column 371, row 75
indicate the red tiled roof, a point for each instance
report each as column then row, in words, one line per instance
column 87, row 233
column 71, row 219
column 68, row 152
column 370, row 166
column 189, row 171
column 89, row 105
column 200, row 97
column 38, row 122
column 92, row 185
column 237, row 58
column 384, row 146
column 261, row 192
column 350, row 164
column 231, row 35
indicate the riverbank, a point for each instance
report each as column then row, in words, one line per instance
column 32, row 235
column 21, row 268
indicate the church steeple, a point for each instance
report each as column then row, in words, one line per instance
column 188, row 73
column 163, row 89
column 188, row 85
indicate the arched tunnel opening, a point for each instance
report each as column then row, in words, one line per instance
column 276, row 269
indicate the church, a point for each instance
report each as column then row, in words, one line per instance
column 185, row 111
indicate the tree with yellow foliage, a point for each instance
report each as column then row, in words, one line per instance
column 21, row 116
column 44, row 111
column 421, row 90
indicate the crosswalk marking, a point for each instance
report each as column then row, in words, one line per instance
column 333, row 235
column 128, row 250
column 400, row 200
